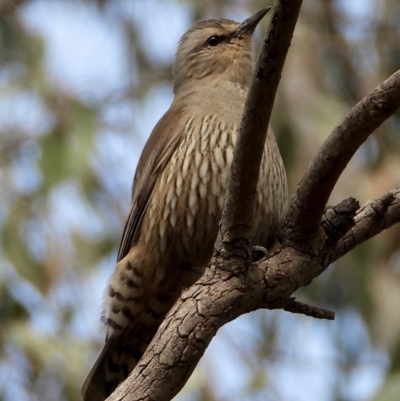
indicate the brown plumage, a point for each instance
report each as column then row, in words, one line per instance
column 178, row 193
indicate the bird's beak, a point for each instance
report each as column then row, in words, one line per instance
column 249, row 25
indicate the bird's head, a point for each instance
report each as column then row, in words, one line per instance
column 217, row 49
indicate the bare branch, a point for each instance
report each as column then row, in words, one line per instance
column 220, row 296
column 317, row 184
column 217, row 298
column 308, row 310
column 371, row 219
column 239, row 201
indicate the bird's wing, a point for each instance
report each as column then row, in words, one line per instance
column 160, row 146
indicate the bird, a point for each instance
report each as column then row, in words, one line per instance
column 178, row 193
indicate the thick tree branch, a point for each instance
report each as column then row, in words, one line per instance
column 220, row 296
column 186, row 332
column 239, row 202
column 307, row 207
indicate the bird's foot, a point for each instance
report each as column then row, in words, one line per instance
column 258, row 252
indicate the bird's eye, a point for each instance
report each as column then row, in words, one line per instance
column 213, row 41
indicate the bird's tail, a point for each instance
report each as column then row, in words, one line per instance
column 95, row 387
column 130, row 331
column 120, row 355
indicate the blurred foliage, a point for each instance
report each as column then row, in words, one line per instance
column 70, row 136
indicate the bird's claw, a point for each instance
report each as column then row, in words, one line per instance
column 258, row 252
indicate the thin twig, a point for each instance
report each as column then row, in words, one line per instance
column 309, row 310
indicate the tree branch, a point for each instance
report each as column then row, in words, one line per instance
column 308, row 310
column 217, row 298
column 307, row 207
column 237, row 217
